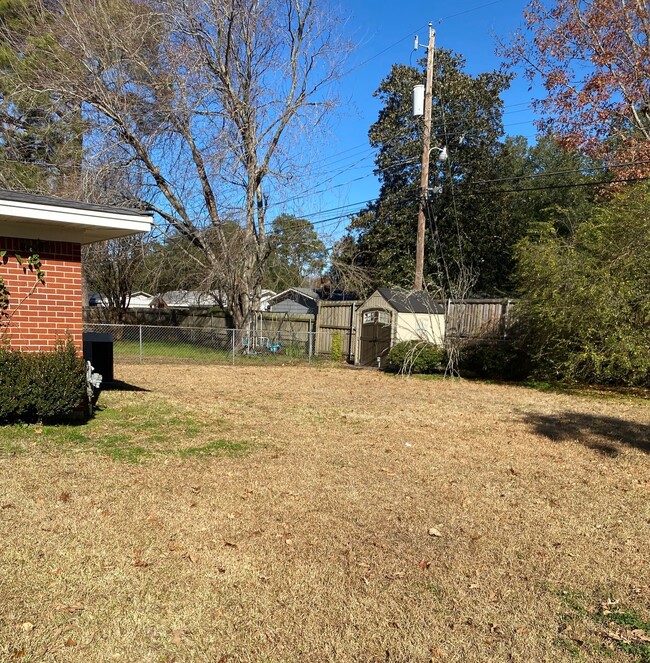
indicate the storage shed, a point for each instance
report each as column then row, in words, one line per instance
column 390, row 316
column 37, row 314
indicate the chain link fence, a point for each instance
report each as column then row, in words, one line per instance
column 162, row 344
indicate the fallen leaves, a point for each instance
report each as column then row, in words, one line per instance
column 190, row 557
column 138, row 560
column 70, row 609
column 434, row 531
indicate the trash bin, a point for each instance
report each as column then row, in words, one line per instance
column 98, row 350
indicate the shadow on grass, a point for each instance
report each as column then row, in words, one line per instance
column 606, row 435
column 119, row 385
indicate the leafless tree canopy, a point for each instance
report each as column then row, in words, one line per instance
column 204, row 101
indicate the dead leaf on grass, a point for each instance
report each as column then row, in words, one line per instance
column 424, row 564
column 177, row 636
column 190, row 557
column 137, row 559
column 229, row 544
column 27, row 627
column 70, row 643
column 616, row 636
column 72, row 608
column 434, row 531
column 65, row 496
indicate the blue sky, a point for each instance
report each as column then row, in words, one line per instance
column 383, row 35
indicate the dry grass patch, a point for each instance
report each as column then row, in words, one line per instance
column 317, row 539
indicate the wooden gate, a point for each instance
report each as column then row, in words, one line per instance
column 375, row 336
column 336, row 318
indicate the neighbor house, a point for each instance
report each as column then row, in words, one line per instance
column 138, row 299
column 294, row 301
column 390, row 316
column 52, row 231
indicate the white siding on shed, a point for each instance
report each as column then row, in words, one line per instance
column 420, row 327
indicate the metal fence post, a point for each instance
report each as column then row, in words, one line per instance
column 310, row 339
column 140, row 335
column 233, row 347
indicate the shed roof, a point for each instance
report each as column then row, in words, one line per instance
column 416, row 301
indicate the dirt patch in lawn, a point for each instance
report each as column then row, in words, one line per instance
column 364, row 517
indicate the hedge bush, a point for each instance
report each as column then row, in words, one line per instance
column 414, row 357
column 499, row 360
column 43, row 386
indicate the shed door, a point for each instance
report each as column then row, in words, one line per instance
column 375, row 336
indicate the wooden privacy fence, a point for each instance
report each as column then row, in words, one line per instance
column 478, row 318
column 336, row 318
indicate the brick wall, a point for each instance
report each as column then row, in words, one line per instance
column 54, row 309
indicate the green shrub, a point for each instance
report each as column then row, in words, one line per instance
column 584, row 314
column 493, row 359
column 43, row 386
column 414, row 357
column 337, row 347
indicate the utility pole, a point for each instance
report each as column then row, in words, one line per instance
column 426, row 149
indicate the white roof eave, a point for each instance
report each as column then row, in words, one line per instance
column 51, row 222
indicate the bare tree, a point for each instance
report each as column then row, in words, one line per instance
column 110, row 269
column 204, row 99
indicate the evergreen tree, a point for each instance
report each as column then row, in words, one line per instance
column 466, row 230
column 40, row 148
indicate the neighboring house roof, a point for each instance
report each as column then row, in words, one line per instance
column 300, row 301
column 188, row 299
column 139, row 299
column 292, row 292
column 416, row 301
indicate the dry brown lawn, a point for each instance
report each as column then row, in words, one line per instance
column 305, row 514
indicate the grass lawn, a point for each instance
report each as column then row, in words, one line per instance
column 175, row 352
column 297, row 513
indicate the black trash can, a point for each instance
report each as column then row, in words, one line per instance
column 98, row 350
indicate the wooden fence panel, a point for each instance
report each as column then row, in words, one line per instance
column 333, row 318
column 478, row 318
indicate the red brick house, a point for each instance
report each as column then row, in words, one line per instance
column 55, row 230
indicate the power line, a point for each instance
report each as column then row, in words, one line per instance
column 485, row 192
column 468, row 11
column 563, row 186
column 551, row 173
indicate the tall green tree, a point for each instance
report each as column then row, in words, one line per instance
column 466, row 230
column 549, row 183
column 40, row 147
column 297, row 254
